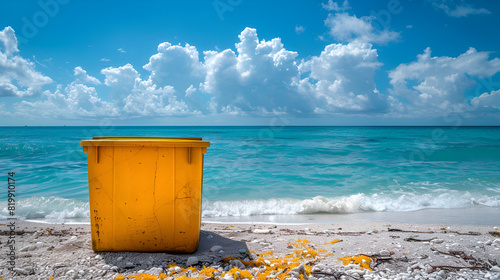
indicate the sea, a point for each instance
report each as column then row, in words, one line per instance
column 281, row 174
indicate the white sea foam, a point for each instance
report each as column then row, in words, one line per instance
column 348, row 204
column 56, row 209
column 59, row 210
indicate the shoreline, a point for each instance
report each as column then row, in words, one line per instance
column 476, row 216
column 64, row 251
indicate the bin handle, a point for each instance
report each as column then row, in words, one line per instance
column 97, row 153
column 189, row 155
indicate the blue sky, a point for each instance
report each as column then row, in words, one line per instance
column 239, row 62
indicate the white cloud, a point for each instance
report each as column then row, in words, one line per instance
column 8, row 40
column 334, row 6
column 72, row 102
column 459, row 10
column 434, row 85
column 347, row 28
column 82, row 76
column 176, row 66
column 299, row 29
column 136, row 97
column 18, row 76
column 121, row 80
column 342, row 79
column 149, row 100
column 104, row 59
column 121, row 50
column 131, row 97
column 487, row 101
column 260, row 78
column 179, row 68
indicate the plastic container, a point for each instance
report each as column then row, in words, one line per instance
column 145, row 193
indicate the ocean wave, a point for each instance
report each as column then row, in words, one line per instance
column 348, row 204
column 52, row 208
column 60, row 210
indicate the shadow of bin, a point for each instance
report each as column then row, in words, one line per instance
column 145, row 193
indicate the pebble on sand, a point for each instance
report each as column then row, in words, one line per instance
column 261, row 231
column 216, row 248
column 192, row 261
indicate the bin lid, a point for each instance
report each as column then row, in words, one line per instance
column 191, row 142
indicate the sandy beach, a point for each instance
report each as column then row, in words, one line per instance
column 344, row 250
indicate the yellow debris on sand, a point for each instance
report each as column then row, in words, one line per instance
column 362, row 260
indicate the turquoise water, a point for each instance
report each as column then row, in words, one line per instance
column 293, row 171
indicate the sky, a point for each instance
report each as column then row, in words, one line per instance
column 241, row 62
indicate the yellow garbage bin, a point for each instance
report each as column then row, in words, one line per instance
column 145, row 193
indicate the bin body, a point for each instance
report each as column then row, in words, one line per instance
column 145, row 193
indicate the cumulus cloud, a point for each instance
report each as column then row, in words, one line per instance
column 121, row 80
column 136, row 97
column 149, row 100
column 487, row 101
column 342, row 79
column 73, row 101
column 82, row 77
column 434, row 85
column 335, row 7
column 261, row 77
column 176, row 66
column 347, row 28
column 130, row 97
column 18, row 76
column 452, row 9
column 8, row 40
